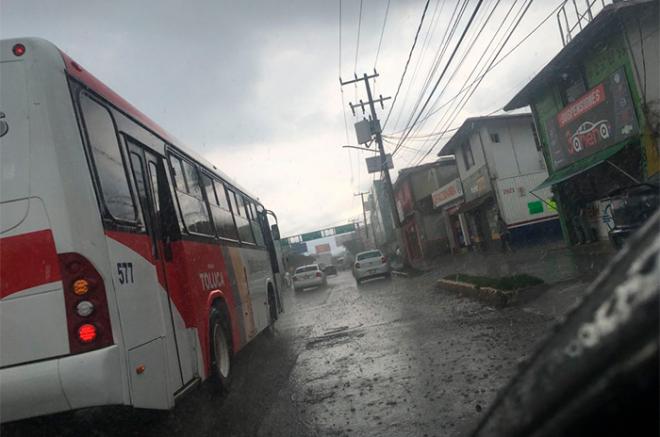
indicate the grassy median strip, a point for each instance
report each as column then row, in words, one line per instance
column 506, row 283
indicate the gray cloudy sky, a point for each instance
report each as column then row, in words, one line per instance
column 253, row 85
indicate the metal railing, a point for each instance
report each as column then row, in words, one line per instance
column 574, row 15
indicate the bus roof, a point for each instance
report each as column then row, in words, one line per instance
column 76, row 71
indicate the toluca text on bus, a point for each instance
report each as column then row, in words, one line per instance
column 132, row 269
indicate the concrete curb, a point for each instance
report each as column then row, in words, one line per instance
column 489, row 295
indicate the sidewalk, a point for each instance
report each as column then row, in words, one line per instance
column 567, row 272
column 551, row 262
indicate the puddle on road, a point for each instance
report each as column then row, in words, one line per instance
column 334, row 339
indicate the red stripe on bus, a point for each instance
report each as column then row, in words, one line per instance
column 76, row 71
column 140, row 243
column 26, row 261
column 185, row 287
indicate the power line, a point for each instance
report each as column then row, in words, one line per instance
column 474, row 40
column 451, row 57
column 357, row 45
column 382, row 32
column 429, row 32
column 512, row 27
column 343, row 104
column 454, row 20
column 485, row 19
column 467, row 87
column 405, row 68
column 481, row 26
column 524, row 10
column 426, row 40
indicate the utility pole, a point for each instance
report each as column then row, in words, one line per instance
column 379, row 139
column 364, row 211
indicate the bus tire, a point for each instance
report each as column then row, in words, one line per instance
column 221, row 356
column 272, row 313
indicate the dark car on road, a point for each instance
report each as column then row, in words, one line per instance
column 630, row 208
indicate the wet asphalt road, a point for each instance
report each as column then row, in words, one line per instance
column 398, row 357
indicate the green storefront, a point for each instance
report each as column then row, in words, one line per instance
column 590, row 110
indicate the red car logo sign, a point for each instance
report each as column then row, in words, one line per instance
column 588, row 134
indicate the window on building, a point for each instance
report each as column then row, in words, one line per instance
column 535, row 134
column 468, row 157
column 108, row 161
column 572, row 85
column 189, row 193
column 495, row 138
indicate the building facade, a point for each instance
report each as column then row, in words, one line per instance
column 423, row 229
column 597, row 110
column 499, row 163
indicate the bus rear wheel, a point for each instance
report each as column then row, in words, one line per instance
column 272, row 313
column 221, row 352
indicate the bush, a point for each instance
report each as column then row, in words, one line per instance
column 508, row 283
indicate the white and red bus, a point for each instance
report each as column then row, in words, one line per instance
column 130, row 268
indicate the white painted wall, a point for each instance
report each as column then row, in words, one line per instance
column 479, row 159
column 515, row 165
column 516, row 153
column 513, row 196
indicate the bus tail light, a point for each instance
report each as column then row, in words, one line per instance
column 87, row 333
column 319, row 274
column 18, row 49
column 88, row 319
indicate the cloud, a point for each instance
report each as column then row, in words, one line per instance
column 253, row 85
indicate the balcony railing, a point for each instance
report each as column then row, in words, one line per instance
column 574, row 15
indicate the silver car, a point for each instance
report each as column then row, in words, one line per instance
column 309, row 276
column 371, row 264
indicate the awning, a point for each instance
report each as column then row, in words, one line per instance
column 475, row 203
column 581, row 166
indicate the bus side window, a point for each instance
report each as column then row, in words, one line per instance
column 222, row 219
column 254, row 221
column 193, row 207
column 177, row 169
column 242, row 222
column 108, row 161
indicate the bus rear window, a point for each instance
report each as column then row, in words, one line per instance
column 108, row 161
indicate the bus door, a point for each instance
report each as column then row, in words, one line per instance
column 149, row 175
column 272, row 253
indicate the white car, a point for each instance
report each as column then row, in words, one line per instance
column 371, row 264
column 309, row 276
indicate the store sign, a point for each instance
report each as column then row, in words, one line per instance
column 322, row 248
column 476, row 185
column 298, row 248
column 344, row 228
column 600, row 118
column 311, row 236
column 445, row 194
